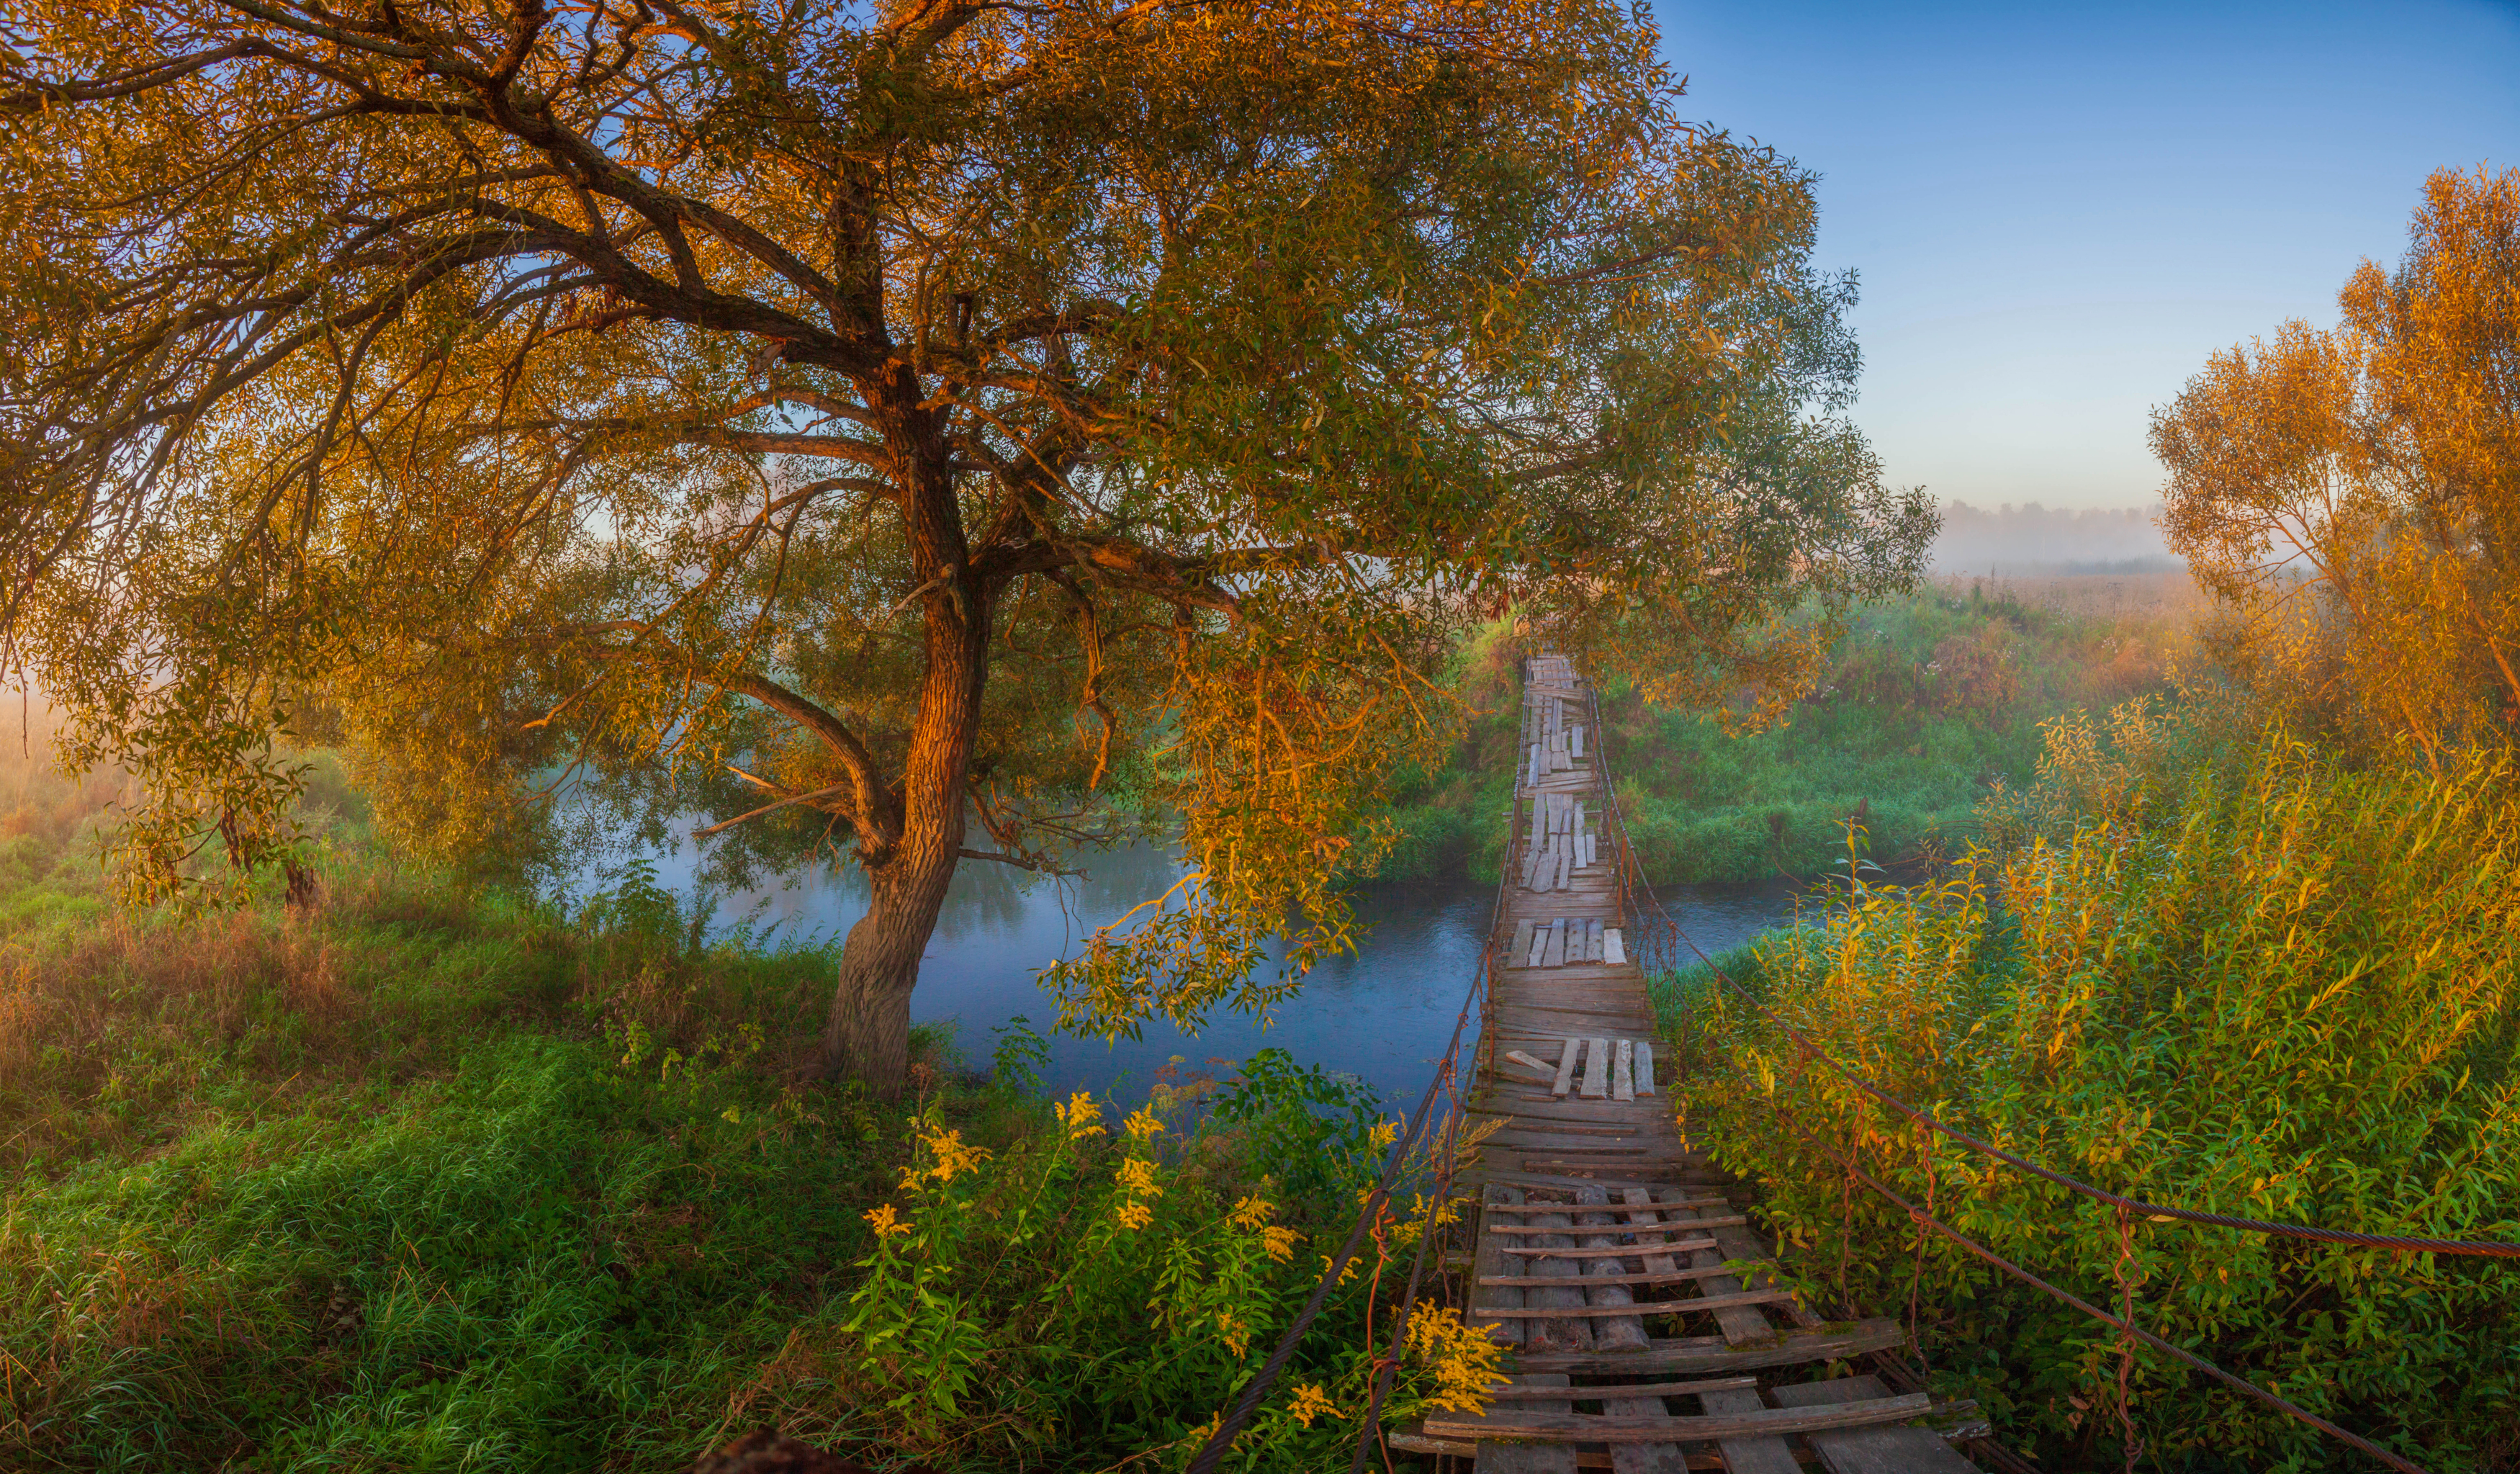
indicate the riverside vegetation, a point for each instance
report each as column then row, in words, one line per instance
column 1924, row 705
column 2254, row 950
column 428, row 1176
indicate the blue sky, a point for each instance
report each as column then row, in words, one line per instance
column 2058, row 212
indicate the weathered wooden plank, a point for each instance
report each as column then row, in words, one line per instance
column 1706, row 1304
column 1496, row 1256
column 1592, row 939
column 1644, row 1063
column 1566, row 1068
column 1762, row 1451
column 1616, row 1276
column 1743, row 1325
column 1711, row 1354
column 1630, row 1251
column 1521, row 947
column 1602, row 1286
column 1768, row 1422
column 1878, row 1450
column 1513, row 1392
column 1614, row 946
column 1623, row 1073
column 1561, row 1321
column 1597, row 1069
column 1530, row 1457
column 1544, row 1071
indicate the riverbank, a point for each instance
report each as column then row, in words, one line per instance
column 1931, row 704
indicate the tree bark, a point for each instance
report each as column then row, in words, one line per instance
column 867, row 1034
column 867, row 1031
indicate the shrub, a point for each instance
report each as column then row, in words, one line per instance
column 2289, row 994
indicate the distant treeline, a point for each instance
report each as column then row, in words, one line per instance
column 2035, row 539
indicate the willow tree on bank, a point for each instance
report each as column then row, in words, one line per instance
column 921, row 411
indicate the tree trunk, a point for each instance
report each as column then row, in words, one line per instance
column 867, row 1032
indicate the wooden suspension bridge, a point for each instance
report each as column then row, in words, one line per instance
column 1611, row 1258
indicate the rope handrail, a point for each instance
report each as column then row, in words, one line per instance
column 1924, row 1220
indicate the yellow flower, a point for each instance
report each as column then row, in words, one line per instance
column 1462, row 1357
column 1238, row 1336
column 1280, row 1242
column 1081, row 1115
column 1250, row 1213
column 1138, row 1176
column 953, row 1156
column 1135, row 1214
column 1312, row 1403
column 1142, row 1123
column 1385, row 1133
column 886, row 1222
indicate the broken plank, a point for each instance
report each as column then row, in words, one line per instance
column 1566, row 1070
column 1597, row 1069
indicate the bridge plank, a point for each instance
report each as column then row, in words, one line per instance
column 1766, row 1423
column 1878, row 1450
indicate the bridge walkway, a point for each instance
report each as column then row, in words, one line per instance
column 1611, row 1256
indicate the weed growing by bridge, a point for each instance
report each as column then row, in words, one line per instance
column 2278, row 989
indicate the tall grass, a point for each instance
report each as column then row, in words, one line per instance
column 2286, row 992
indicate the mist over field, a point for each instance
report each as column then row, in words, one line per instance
column 2035, row 539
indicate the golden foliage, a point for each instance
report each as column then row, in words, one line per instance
column 2353, row 495
column 868, row 422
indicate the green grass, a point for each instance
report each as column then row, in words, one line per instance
column 1929, row 703
column 431, row 1178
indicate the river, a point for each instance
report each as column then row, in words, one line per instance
column 1383, row 1014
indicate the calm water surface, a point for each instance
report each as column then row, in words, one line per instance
column 1382, row 1014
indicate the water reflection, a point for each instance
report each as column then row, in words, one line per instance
column 1384, row 1013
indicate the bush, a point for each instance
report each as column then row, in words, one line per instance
column 2287, row 992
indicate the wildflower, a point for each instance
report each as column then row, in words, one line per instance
column 886, row 1222
column 1135, row 1214
column 1312, row 1403
column 1384, row 1132
column 1238, row 1336
column 1279, row 1243
column 953, row 1157
column 1081, row 1116
column 1138, row 1176
column 1142, row 1123
column 1462, row 1359
column 1250, row 1213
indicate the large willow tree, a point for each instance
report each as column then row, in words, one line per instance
column 924, row 410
